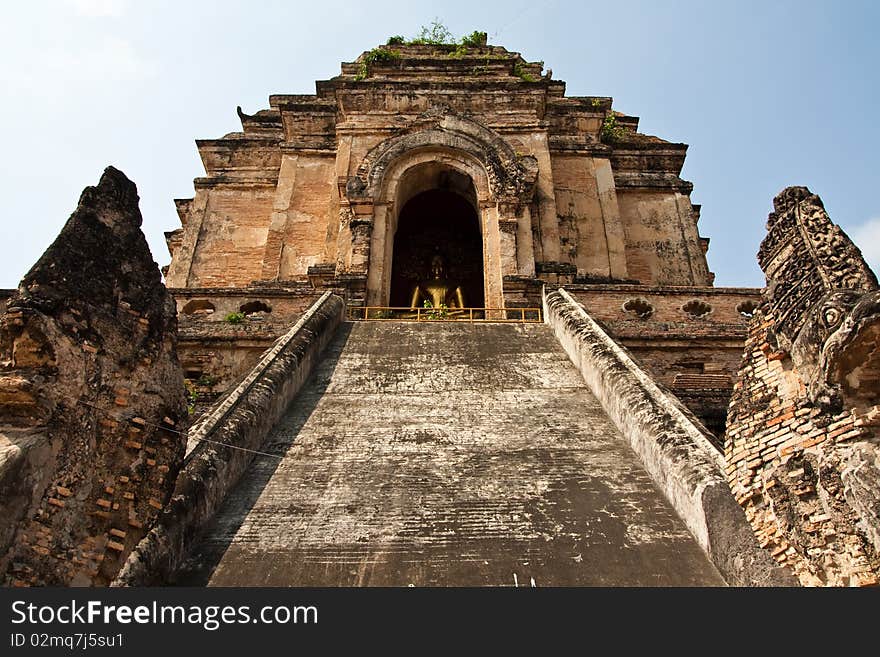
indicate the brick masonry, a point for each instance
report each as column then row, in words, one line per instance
column 91, row 398
column 801, row 445
column 310, row 189
column 215, row 352
column 690, row 339
column 309, row 195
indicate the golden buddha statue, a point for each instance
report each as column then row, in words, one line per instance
column 438, row 290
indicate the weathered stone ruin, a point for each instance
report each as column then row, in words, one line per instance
column 802, row 438
column 475, row 154
column 92, row 398
column 564, row 421
column 406, row 456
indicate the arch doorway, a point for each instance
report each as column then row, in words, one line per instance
column 435, row 223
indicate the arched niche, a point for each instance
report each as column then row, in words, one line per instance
column 198, row 307
column 438, row 223
column 253, row 307
column 414, row 179
column 439, row 147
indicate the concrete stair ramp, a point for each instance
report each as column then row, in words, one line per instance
column 455, row 454
column 438, row 454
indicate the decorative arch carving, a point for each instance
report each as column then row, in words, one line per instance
column 697, row 308
column 511, row 177
column 639, row 307
column 503, row 180
column 198, row 306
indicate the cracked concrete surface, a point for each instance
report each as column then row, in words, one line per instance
column 446, row 455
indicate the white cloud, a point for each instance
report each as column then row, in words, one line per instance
column 99, row 8
column 867, row 238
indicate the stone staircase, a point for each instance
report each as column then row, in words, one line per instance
column 440, row 454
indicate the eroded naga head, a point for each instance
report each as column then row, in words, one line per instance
column 823, row 300
column 801, row 444
column 836, row 351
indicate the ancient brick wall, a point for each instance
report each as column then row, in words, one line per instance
column 224, row 331
column 595, row 248
column 264, row 304
column 662, row 244
column 675, row 311
column 689, row 339
column 92, row 398
column 277, row 196
column 801, row 445
column 232, row 233
column 5, row 296
column 303, row 212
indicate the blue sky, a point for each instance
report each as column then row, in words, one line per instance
column 767, row 94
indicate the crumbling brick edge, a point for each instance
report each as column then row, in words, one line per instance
column 670, row 443
column 242, row 419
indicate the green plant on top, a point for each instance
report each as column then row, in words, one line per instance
column 474, row 40
column 520, row 72
column 612, row 130
column 380, row 55
column 435, row 34
column 234, row 318
column 206, row 381
column 459, row 52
